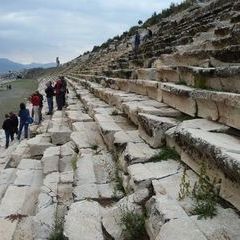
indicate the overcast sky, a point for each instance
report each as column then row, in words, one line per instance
column 40, row 30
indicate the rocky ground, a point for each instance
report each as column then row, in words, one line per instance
column 89, row 173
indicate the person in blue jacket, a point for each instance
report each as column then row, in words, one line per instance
column 24, row 116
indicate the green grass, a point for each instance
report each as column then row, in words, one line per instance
column 57, row 232
column 165, row 154
column 74, row 162
column 10, row 99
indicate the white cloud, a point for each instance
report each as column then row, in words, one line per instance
column 40, row 30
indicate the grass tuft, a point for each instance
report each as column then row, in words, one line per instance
column 133, row 225
column 74, row 162
column 165, row 154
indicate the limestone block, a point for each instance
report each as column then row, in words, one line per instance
column 65, row 195
column 142, row 174
column 44, row 222
column 179, row 97
column 39, row 144
column 50, row 164
column 86, row 135
column 44, row 200
column 29, row 164
column 107, row 127
column 122, row 138
column 7, row 177
column 7, row 229
column 67, row 149
column 229, row 115
column 152, row 128
column 28, row 178
column 93, row 191
column 66, row 177
column 160, row 210
column 112, row 216
column 136, row 153
column 60, row 134
column 24, row 229
column 18, row 200
column 179, row 229
column 83, row 219
column 52, row 151
column 50, row 183
column 85, row 170
column 161, row 112
column 221, row 156
column 224, row 225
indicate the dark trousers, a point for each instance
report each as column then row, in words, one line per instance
column 50, row 104
column 59, row 100
column 25, row 126
column 8, row 135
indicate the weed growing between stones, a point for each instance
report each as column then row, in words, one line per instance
column 165, row 154
column 118, row 187
column 205, row 196
column 74, row 162
column 94, row 147
column 114, row 112
column 185, row 190
column 184, row 117
column 133, row 225
column 57, row 232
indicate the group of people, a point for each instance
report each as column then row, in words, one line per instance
column 12, row 125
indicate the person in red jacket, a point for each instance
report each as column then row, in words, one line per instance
column 59, row 94
column 36, row 101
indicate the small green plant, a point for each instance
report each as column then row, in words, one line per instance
column 165, row 154
column 200, row 82
column 114, row 112
column 118, row 187
column 184, row 186
column 181, row 82
column 57, row 232
column 74, row 162
column 132, row 224
column 184, row 117
column 94, row 147
column 205, row 195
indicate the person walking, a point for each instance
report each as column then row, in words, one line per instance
column 24, row 116
column 40, row 105
column 59, row 94
column 137, row 41
column 49, row 94
column 14, row 120
column 64, row 89
column 35, row 100
column 8, row 128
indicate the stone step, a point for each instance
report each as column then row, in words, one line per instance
column 84, row 219
column 212, row 105
column 86, row 135
column 165, row 207
column 194, row 137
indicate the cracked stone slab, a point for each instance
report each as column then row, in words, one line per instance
column 142, row 174
column 83, row 219
column 152, row 128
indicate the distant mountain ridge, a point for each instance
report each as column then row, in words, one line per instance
column 8, row 65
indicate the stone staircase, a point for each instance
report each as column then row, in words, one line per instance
column 140, row 134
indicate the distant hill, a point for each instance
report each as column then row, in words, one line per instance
column 8, row 65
